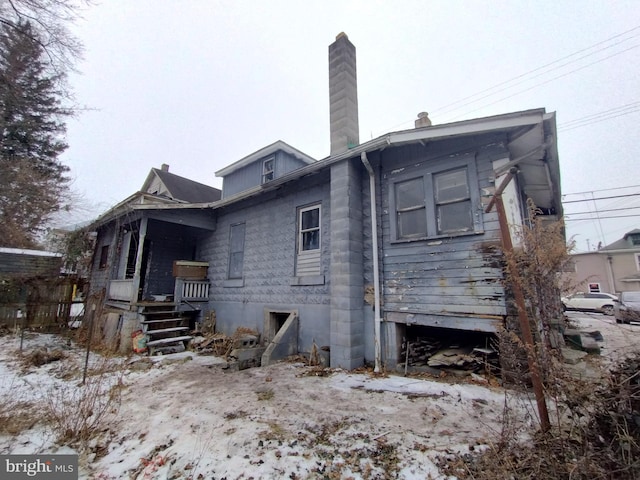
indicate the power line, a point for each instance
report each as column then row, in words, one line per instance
column 597, row 119
column 604, row 112
column 537, row 76
column 600, row 218
column 544, row 66
column 603, row 210
column 517, row 77
column 600, row 190
column 543, row 83
column 602, row 198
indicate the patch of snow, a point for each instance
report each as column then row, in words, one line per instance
column 183, row 415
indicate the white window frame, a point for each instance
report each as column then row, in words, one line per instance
column 308, row 261
column 268, row 172
column 637, row 255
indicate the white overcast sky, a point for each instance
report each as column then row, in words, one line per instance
column 199, row 84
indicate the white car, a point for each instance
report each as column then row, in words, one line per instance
column 590, row 302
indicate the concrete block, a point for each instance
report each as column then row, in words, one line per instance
column 348, row 328
column 571, row 356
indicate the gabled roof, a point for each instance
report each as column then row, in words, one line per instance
column 264, row 152
column 536, row 155
column 183, row 189
column 623, row 243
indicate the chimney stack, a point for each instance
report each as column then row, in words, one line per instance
column 423, row 120
column 343, row 95
column 164, row 167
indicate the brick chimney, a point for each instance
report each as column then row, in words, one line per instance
column 343, row 95
column 164, row 167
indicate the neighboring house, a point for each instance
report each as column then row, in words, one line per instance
column 25, row 263
column 612, row 269
column 32, row 289
column 376, row 243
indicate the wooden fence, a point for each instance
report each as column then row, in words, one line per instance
column 40, row 303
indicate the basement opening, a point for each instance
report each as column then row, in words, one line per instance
column 280, row 335
column 432, row 349
column 274, row 320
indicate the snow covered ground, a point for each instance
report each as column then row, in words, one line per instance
column 184, row 416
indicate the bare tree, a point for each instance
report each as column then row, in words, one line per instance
column 49, row 20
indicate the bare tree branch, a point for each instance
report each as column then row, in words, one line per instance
column 50, row 20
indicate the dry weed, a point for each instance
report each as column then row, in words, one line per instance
column 77, row 413
column 42, row 356
column 595, row 428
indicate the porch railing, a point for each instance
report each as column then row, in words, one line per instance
column 121, row 290
column 192, row 290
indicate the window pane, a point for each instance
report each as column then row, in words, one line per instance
column 412, row 224
column 311, row 219
column 451, row 186
column 455, row 217
column 104, row 256
column 236, row 250
column 237, row 238
column 311, row 240
column 235, row 265
column 409, row 193
column 268, row 165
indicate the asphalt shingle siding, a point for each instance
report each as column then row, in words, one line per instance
column 269, row 262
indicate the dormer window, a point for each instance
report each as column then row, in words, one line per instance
column 635, row 239
column 268, row 170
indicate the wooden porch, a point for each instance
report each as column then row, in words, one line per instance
column 185, row 291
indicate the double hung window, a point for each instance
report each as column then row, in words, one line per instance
column 309, row 237
column 236, row 251
column 435, row 202
column 268, row 169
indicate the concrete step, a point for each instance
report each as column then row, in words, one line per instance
column 166, row 330
column 163, row 320
column 168, row 341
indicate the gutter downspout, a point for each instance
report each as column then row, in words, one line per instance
column 376, row 274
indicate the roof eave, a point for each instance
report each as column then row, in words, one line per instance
column 263, row 152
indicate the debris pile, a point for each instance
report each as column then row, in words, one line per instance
column 241, row 350
column 217, row 344
column 419, row 350
column 426, row 352
column 222, row 345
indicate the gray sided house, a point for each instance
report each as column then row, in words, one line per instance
column 303, row 241
column 145, row 257
column 306, row 242
column 378, row 242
